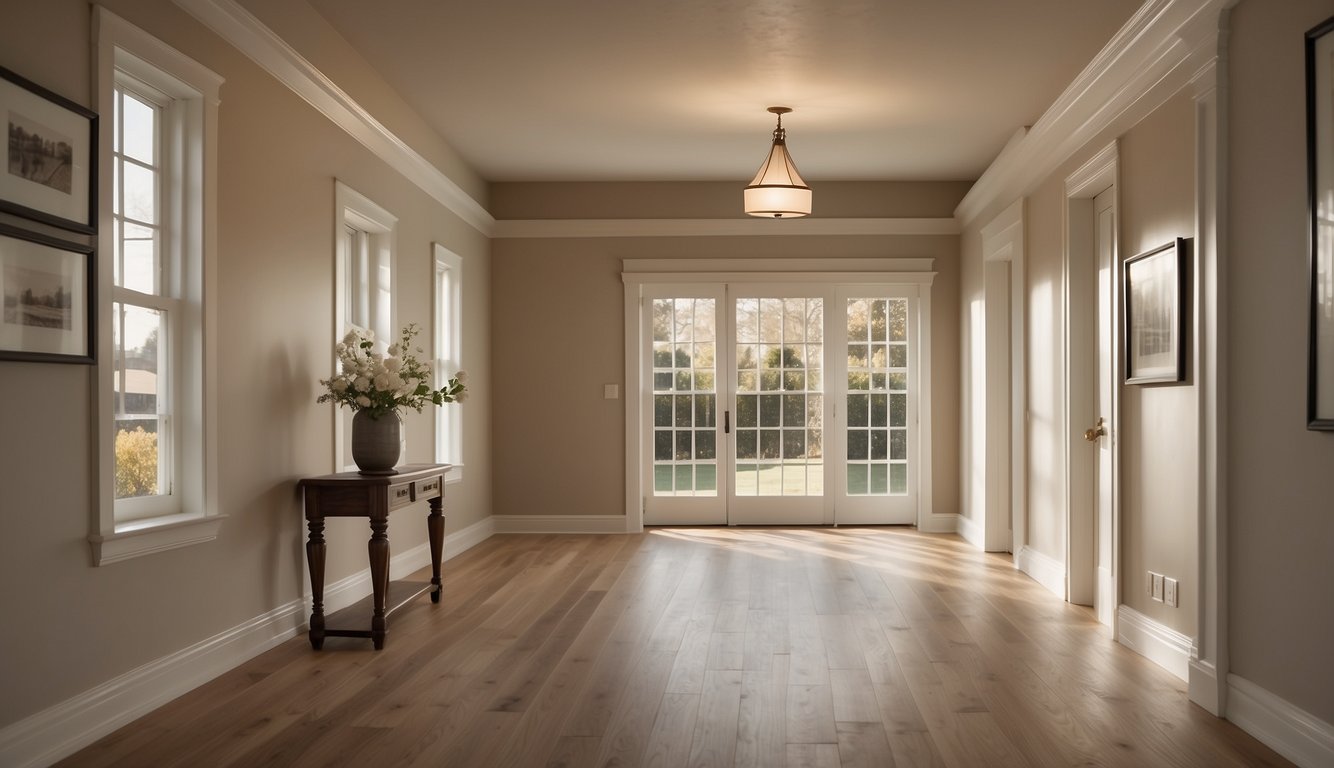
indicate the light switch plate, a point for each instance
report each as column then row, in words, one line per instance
column 611, row 391
column 1170, row 592
column 1158, row 587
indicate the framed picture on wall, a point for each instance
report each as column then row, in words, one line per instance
column 50, row 171
column 1320, row 214
column 1155, row 290
column 46, row 298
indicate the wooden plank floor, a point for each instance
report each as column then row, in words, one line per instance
column 704, row 647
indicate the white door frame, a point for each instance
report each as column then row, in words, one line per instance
column 637, row 273
column 1080, row 278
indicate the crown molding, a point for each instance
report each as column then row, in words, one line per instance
column 1159, row 51
column 252, row 37
column 752, row 227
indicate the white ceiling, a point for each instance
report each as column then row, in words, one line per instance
column 584, row 90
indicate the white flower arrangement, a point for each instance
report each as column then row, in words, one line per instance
column 380, row 384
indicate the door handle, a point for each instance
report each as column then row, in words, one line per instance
column 1098, row 431
column 727, row 422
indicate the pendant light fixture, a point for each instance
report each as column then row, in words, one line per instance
column 778, row 191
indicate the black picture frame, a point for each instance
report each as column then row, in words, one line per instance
column 48, row 298
column 1154, row 287
column 47, row 183
column 1320, row 221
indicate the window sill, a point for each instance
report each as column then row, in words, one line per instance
column 454, row 474
column 145, row 537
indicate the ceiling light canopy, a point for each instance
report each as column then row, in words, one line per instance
column 778, row 191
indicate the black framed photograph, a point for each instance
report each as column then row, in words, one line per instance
column 47, row 306
column 50, row 173
column 1155, row 290
column 1320, row 214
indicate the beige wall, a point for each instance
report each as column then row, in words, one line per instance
column 1281, row 476
column 558, row 317
column 70, row 625
column 1160, row 422
column 1158, row 429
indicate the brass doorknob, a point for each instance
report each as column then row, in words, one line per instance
column 1098, row 431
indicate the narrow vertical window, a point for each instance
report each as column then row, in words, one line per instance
column 448, row 356
column 143, row 310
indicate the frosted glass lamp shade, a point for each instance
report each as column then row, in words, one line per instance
column 778, row 191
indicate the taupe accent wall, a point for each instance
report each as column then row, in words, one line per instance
column 71, row 626
column 558, row 325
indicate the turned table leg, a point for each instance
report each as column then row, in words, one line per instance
column 378, row 550
column 435, row 528
column 315, row 549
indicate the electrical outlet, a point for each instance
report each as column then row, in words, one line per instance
column 1157, row 586
column 1170, row 592
column 1148, row 582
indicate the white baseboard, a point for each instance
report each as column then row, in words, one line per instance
column 1290, row 731
column 971, row 531
column 1045, row 570
column 937, row 523
column 1157, row 642
column 559, row 523
column 63, row 729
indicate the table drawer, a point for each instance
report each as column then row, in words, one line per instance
column 400, row 495
column 428, row 488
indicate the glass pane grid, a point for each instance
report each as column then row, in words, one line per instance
column 779, row 401
column 137, row 190
column 684, row 397
column 142, row 438
column 877, row 400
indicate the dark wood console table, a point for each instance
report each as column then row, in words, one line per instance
column 352, row 494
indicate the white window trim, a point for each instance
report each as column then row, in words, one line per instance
column 448, row 425
column 636, row 274
column 119, row 44
column 355, row 210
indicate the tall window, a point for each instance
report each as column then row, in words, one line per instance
column 156, row 430
column 144, row 309
column 448, row 355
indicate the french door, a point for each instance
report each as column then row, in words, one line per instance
column 786, row 403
